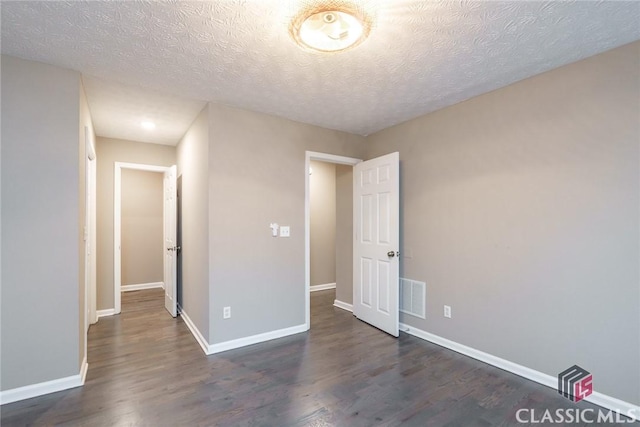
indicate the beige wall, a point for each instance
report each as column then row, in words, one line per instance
column 344, row 233
column 142, row 227
column 256, row 177
column 110, row 151
column 520, row 211
column 39, row 311
column 322, row 216
column 193, row 166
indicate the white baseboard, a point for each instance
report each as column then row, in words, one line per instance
column 343, row 305
column 323, row 287
column 625, row 408
column 255, row 339
column 194, row 331
column 107, row 312
column 141, row 286
column 210, row 349
column 83, row 370
column 35, row 390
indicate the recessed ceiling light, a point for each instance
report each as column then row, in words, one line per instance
column 331, row 26
column 148, row 125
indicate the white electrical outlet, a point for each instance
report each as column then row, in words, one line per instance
column 226, row 312
column 447, row 311
column 285, row 231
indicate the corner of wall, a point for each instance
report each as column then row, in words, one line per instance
column 193, row 166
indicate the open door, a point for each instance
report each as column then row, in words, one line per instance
column 91, row 316
column 376, row 219
column 170, row 253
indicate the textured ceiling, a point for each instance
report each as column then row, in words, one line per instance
column 117, row 111
column 420, row 56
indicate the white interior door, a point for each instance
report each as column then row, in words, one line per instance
column 90, row 229
column 376, row 212
column 170, row 248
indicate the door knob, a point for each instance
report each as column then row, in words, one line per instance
column 391, row 254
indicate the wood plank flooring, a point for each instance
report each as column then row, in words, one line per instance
column 146, row 369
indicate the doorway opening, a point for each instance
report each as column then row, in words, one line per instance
column 332, row 262
column 331, row 230
column 141, row 221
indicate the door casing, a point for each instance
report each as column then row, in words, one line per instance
column 117, row 223
column 322, row 157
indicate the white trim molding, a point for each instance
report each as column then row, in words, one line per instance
column 83, row 370
column 204, row 345
column 611, row 403
column 323, row 287
column 255, row 339
column 46, row 387
column 343, row 305
column 141, row 286
column 210, row 349
column 106, row 312
column 117, row 222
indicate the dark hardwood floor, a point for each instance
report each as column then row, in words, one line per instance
column 145, row 369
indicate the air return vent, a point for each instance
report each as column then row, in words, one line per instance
column 413, row 297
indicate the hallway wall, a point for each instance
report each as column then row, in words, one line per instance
column 344, row 233
column 40, row 318
column 193, row 167
column 322, row 216
column 142, row 227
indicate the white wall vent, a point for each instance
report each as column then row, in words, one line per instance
column 413, row 297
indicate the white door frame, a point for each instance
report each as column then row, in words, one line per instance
column 90, row 231
column 117, row 223
column 322, row 157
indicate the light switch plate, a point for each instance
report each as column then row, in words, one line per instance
column 285, row 231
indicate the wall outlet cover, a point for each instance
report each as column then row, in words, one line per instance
column 447, row 311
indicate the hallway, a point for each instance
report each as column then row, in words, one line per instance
column 145, row 368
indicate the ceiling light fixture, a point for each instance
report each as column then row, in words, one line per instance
column 331, row 26
column 148, row 125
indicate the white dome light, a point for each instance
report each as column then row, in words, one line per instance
column 331, row 26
